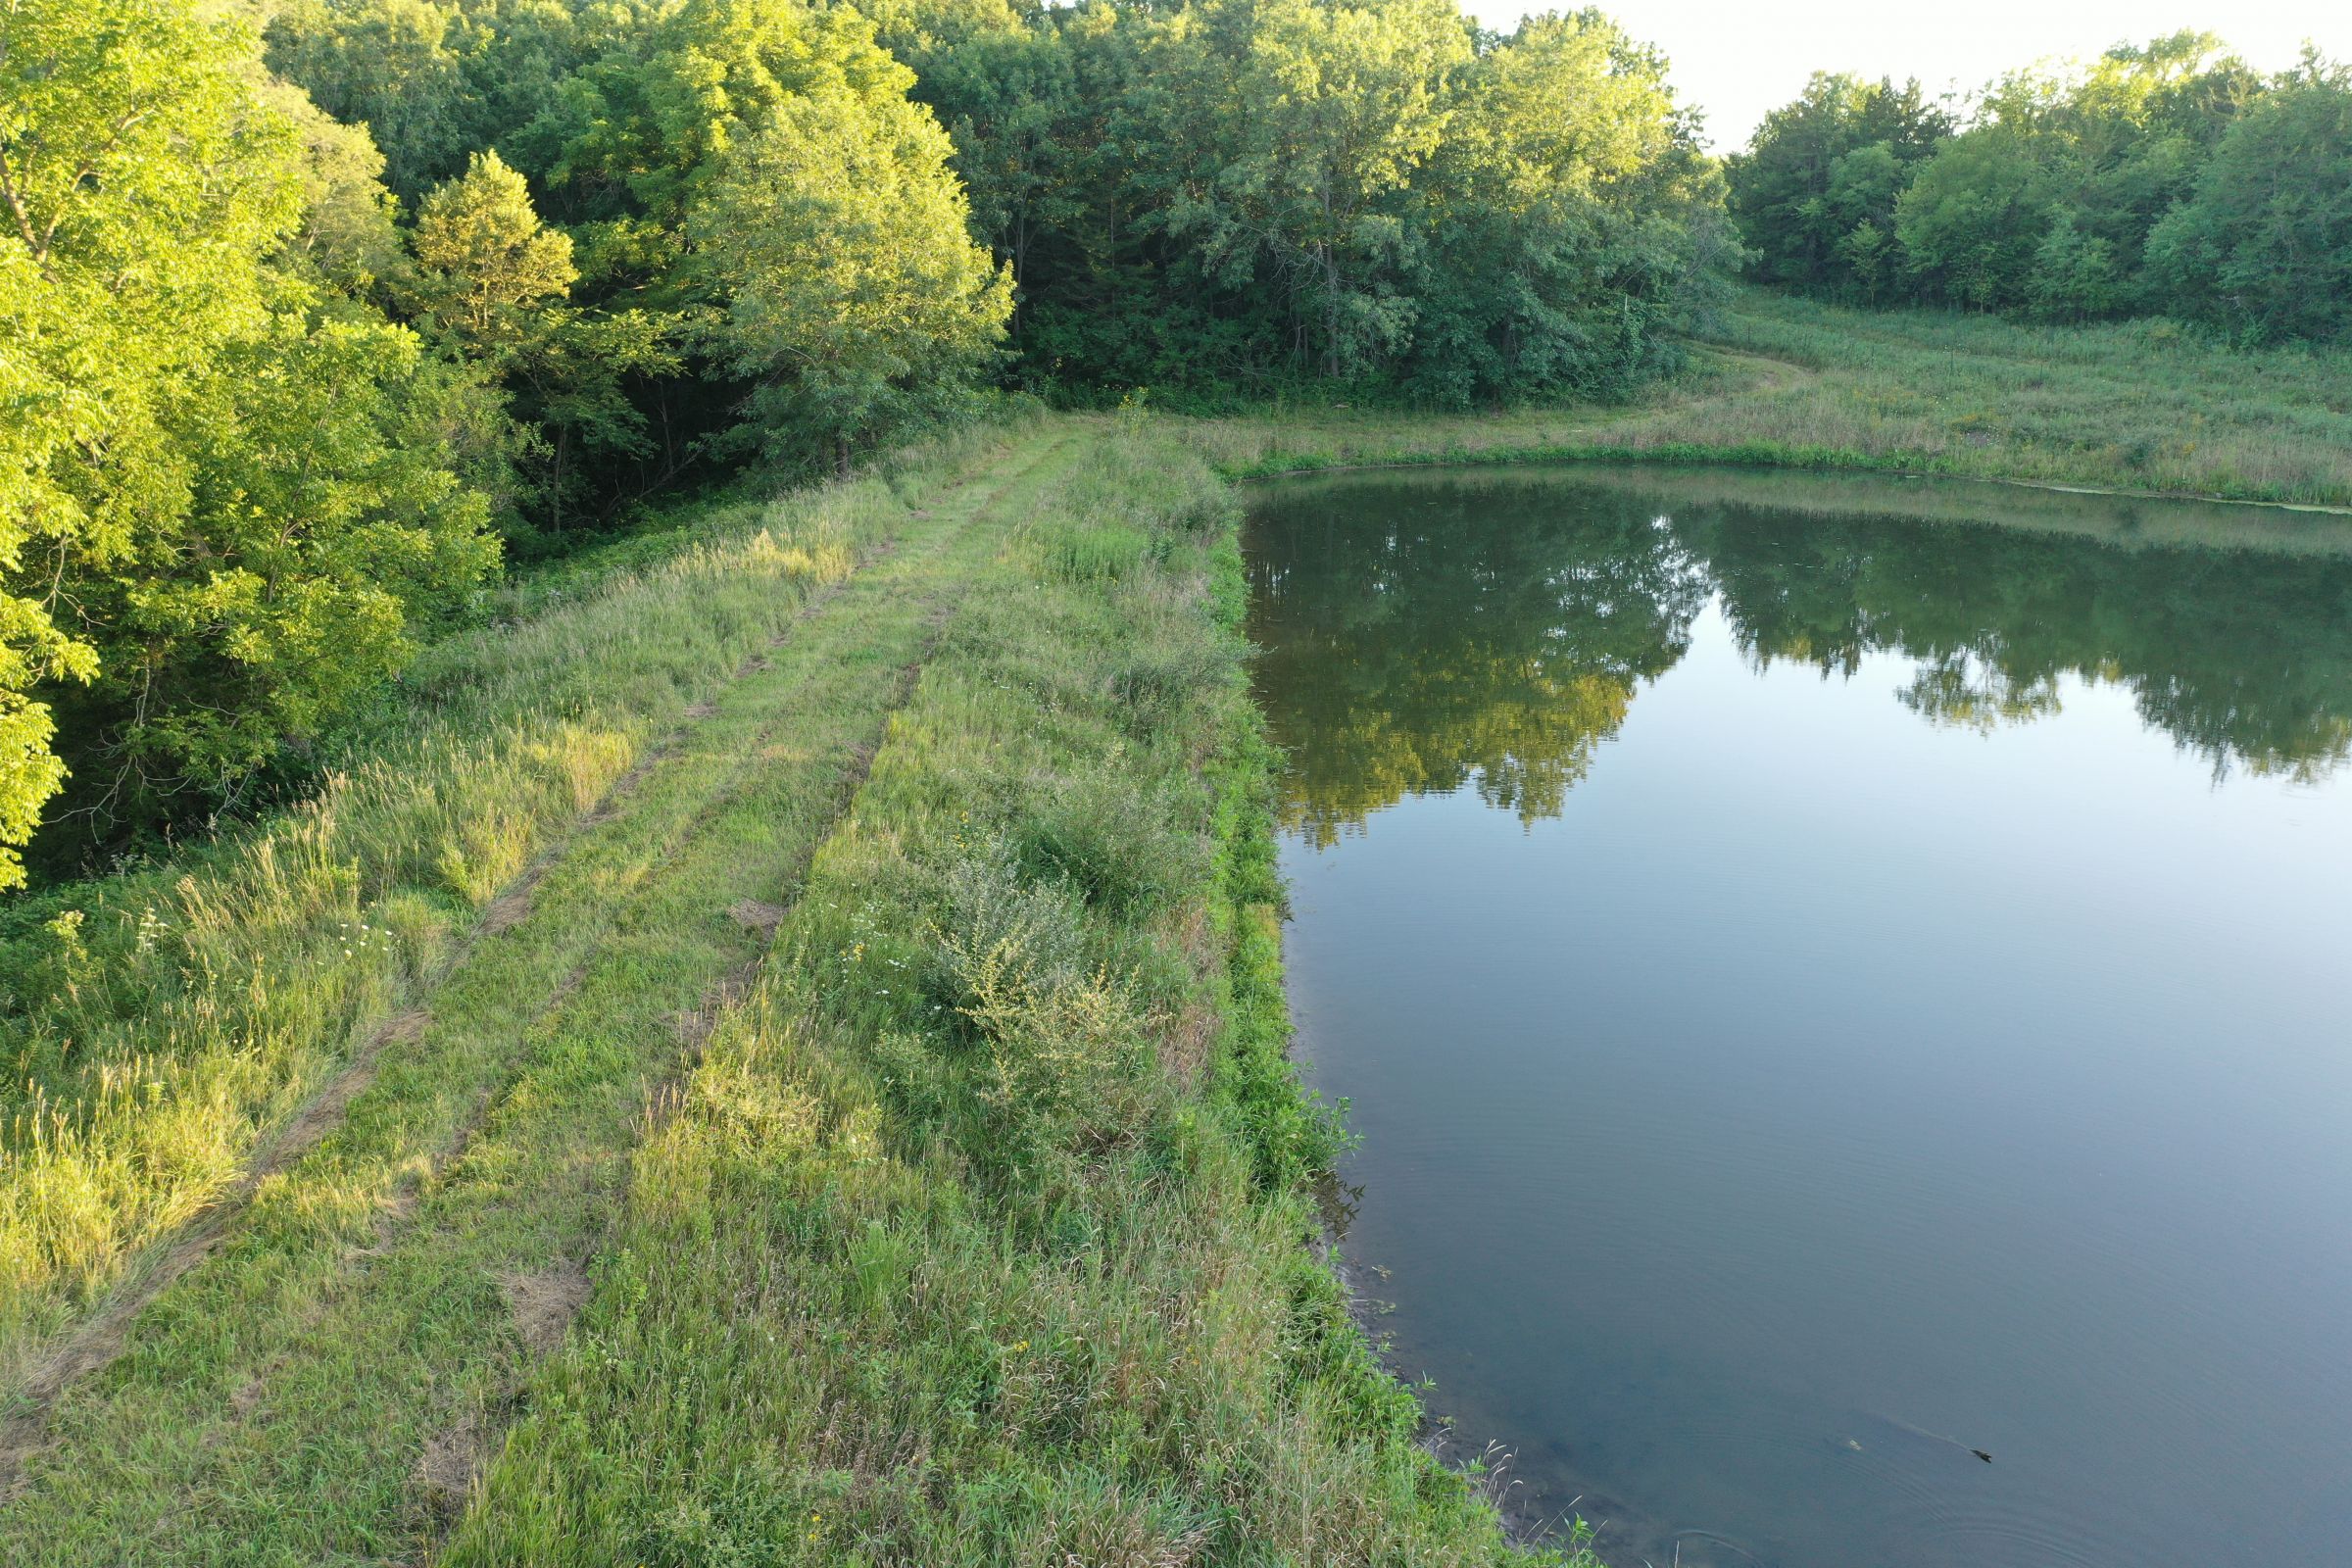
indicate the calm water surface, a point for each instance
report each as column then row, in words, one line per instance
column 1823, row 991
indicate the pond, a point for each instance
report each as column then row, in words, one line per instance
column 1827, row 985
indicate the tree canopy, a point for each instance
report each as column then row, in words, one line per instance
column 1223, row 196
column 2165, row 179
column 855, row 292
column 315, row 308
column 143, row 185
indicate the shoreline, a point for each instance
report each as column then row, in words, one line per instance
column 1697, row 458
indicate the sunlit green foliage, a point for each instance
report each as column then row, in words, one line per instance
column 221, row 498
column 268, row 419
column 485, row 256
column 491, row 284
column 856, row 297
column 661, row 155
column 127, row 256
column 315, row 518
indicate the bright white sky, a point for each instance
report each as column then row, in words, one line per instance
column 1738, row 60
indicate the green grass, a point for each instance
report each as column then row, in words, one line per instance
column 963, row 1219
column 975, row 1236
column 164, row 1024
column 2140, row 407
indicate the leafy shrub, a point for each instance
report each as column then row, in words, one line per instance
column 1066, row 1038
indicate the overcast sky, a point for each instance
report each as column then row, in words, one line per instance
column 1736, row 60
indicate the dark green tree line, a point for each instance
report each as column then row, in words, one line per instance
column 2164, row 179
column 1233, row 194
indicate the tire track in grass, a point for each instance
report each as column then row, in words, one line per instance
column 182, row 1442
column 339, row 1099
column 83, row 1347
column 53, row 1338
column 86, row 1342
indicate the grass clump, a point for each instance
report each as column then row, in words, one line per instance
column 1090, row 552
column 1117, row 846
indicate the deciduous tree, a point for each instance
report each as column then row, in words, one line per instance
column 855, row 295
column 139, row 186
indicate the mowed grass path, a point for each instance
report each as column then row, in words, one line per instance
column 867, row 1138
column 981, row 1236
column 321, row 1383
column 168, row 1029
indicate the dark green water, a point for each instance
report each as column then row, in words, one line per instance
column 1823, row 991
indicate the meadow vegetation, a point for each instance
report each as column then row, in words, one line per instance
column 1780, row 381
column 580, row 1004
column 163, row 1020
column 805, row 983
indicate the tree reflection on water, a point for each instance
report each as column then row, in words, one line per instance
column 1427, row 632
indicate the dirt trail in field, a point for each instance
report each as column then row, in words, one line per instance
column 1771, row 374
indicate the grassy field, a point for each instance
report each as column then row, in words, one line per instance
column 781, row 1060
column 2140, row 407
